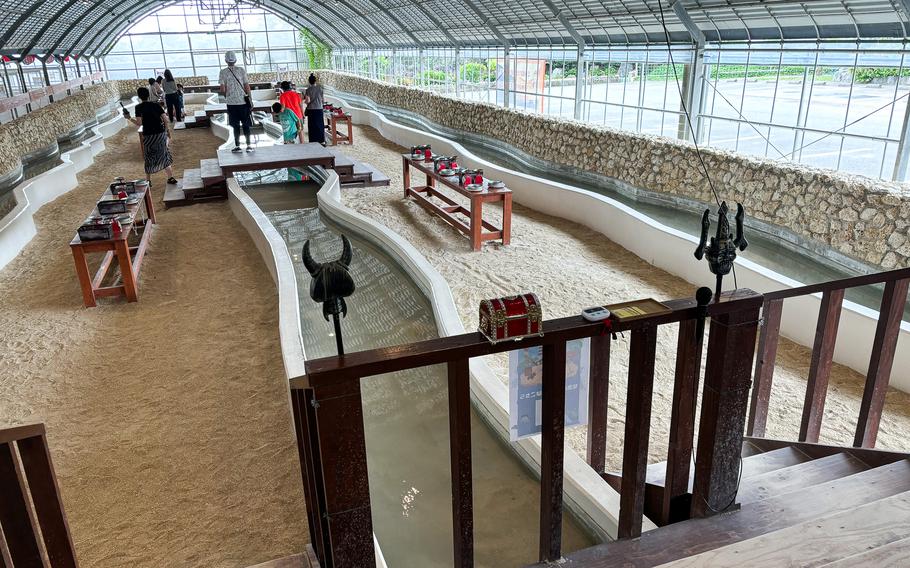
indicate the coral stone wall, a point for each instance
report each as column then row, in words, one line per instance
column 298, row 77
column 126, row 88
column 866, row 219
column 39, row 129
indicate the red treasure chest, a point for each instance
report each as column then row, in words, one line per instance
column 511, row 318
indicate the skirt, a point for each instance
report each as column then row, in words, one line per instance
column 157, row 154
column 315, row 120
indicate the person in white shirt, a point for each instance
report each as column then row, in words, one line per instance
column 236, row 90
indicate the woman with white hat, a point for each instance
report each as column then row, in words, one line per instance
column 236, row 91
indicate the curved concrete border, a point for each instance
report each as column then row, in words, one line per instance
column 17, row 228
column 662, row 246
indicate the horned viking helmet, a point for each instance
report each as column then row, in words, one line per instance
column 331, row 282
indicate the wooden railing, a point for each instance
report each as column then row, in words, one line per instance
column 16, row 102
column 31, row 501
column 330, row 432
column 894, row 299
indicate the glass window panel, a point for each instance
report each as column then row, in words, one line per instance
column 281, row 39
column 210, row 72
column 283, row 56
column 147, row 43
column 275, row 23
column 202, row 41
column 155, row 60
column 172, row 23
column 175, row 42
column 229, row 41
column 258, row 40
column 122, row 45
column 119, row 62
column 207, row 59
column 254, row 22
column 178, row 59
column 145, row 25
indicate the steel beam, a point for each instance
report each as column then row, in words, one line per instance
column 580, row 79
column 697, row 35
column 902, row 164
column 565, row 22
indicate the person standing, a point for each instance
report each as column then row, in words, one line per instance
column 314, row 113
column 236, row 90
column 290, row 123
column 153, row 120
column 171, row 96
column 156, row 91
column 292, row 101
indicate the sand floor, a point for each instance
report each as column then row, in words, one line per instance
column 571, row 267
column 168, row 419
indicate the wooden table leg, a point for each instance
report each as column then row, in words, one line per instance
column 350, row 131
column 334, row 131
column 150, row 206
column 507, row 219
column 85, row 280
column 126, row 270
column 406, row 176
column 476, row 223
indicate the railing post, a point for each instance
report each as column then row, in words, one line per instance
column 764, row 367
column 460, row 451
column 883, row 346
column 16, row 517
column 598, row 393
column 307, row 449
column 682, row 421
column 642, row 348
column 820, row 365
column 551, row 453
column 731, row 348
column 341, row 446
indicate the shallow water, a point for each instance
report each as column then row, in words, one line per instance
column 406, row 414
column 802, row 266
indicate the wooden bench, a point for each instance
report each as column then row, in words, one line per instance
column 129, row 258
column 275, row 157
column 476, row 229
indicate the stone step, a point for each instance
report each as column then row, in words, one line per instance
column 211, row 172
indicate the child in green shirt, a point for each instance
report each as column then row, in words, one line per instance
column 290, row 124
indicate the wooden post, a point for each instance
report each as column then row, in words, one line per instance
column 764, row 367
column 42, row 484
column 883, row 346
column 731, row 348
column 406, row 176
column 682, row 421
column 476, row 222
column 310, row 468
column 343, row 457
column 598, row 399
column 820, row 365
column 551, row 453
column 507, row 219
column 460, row 450
column 642, row 347
column 19, row 525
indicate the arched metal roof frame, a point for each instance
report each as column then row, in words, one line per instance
column 74, row 26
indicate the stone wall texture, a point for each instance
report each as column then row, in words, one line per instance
column 863, row 218
column 41, row 128
column 298, row 77
column 126, row 88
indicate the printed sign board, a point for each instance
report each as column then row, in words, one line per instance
column 526, row 388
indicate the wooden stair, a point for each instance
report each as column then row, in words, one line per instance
column 198, row 120
column 205, row 183
column 353, row 173
column 799, row 504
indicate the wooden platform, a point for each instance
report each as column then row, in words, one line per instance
column 353, row 173
column 221, row 108
column 274, row 157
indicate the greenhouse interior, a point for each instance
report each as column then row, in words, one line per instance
column 574, row 283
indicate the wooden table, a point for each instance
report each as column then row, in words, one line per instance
column 332, row 121
column 129, row 258
column 275, row 157
column 477, row 230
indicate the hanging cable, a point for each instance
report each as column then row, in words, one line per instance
column 682, row 100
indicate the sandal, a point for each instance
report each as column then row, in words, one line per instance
column 172, row 181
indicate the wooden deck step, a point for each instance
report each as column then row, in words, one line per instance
column 799, row 476
column 191, row 182
column 892, row 555
column 692, row 537
column 755, row 464
column 211, row 172
column 821, row 540
column 174, row 196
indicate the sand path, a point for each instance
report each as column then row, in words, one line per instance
column 168, row 419
column 571, row 267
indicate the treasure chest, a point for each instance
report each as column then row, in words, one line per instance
column 511, row 318
column 96, row 229
column 470, row 177
column 111, row 206
column 422, row 151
